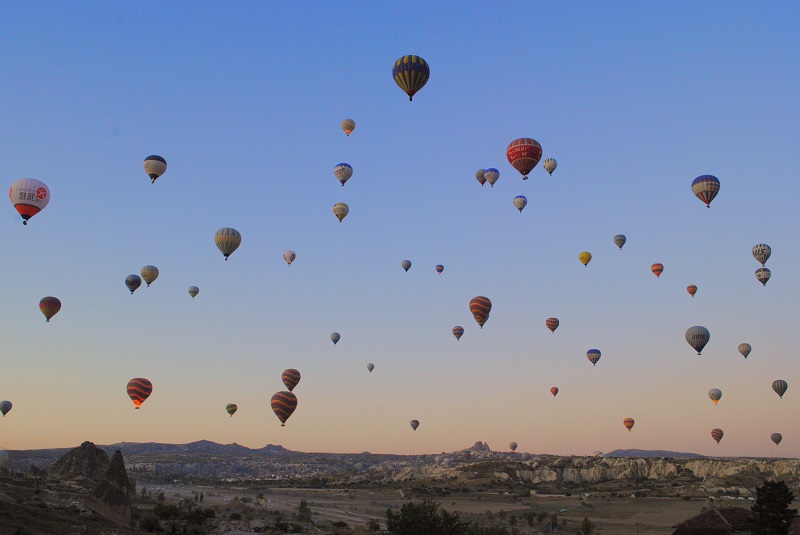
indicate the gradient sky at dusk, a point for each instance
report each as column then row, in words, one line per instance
column 245, row 101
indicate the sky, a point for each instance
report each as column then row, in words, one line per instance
column 245, row 101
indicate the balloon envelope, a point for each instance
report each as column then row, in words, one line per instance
column 705, row 188
column 491, row 175
column 348, row 125
column 29, row 196
column 593, row 355
column 512, row 446
column 283, row 405
column 762, row 252
column 411, row 73
column 335, row 337
column 154, row 166
column 480, row 175
column 414, row 424
column 697, row 337
column 745, row 349
column 554, row 391
column 289, row 256
column 780, row 386
column 439, row 269
column 628, row 423
column 524, row 153
column 406, row 264
column 290, row 378
column 231, row 408
column 619, row 240
column 343, row 172
column 552, row 324
column 49, row 306
column 692, row 289
column 717, row 434
column 5, row 406
column 776, row 438
column 227, row 240
column 480, row 307
column 193, row 291
column 585, row 257
column 139, row 389
column 520, row 202
column 458, row 331
column 149, row 274
column 550, row 165
column 340, row 210
column 762, row 275
column 657, row 269
column 370, row 367
column 715, row 394
column 133, row 282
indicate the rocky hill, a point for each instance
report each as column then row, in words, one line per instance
column 86, row 462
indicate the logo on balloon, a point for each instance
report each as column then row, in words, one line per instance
column 41, row 193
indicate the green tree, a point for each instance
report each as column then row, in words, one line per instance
column 373, row 525
column 771, row 511
column 425, row 517
column 303, row 512
column 587, row 527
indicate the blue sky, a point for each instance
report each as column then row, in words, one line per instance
column 245, row 103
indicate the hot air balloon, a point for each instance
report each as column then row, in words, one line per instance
column 340, row 210
column 139, row 389
column 406, row 265
column 619, row 240
column 348, row 125
column 370, row 367
column 154, row 166
column 692, row 289
column 628, row 423
column 491, row 175
column 705, row 188
column 480, row 307
column 780, row 386
column 411, row 73
column 762, row 252
column 458, row 332
column 552, row 324
column 149, row 274
column 745, row 349
column 414, row 424
column 554, row 390
column 717, row 434
column 776, row 438
column 5, row 406
column 480, row 175
column 289, row 256
column 524, row 153
column 715, row 394
column 593, row 355
column 290, row 378
column 585, row 257
column 762, row 275
column 49, row 306
column 343, row 171
column 133, row 282
column 231, row 408
column 439, row 269
column 657, row 269
column 697, row 337
column 550, row 165
column 335, row 337
column 29, row 196
column 520, row 202
column 193, row 291
column 227, row 240
column 283, row 405
column 512, row 446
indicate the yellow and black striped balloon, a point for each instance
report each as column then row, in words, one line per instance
column 411, row 73
column 139, row 389
column 290, row 378
column 283, row 405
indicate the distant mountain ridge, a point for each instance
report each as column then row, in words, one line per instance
column 200, row 446
column 652, row 454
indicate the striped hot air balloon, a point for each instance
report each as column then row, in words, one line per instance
column 692, row 289
column 149, row 274
column 762, row 252
column 552, row 324
column 763, row 275
column 411, row 73
column 524, row 153
column 348, row 125
column 231, row 408
column 554, row 390
column 154, row 166
column 227, row 240
column 49, row 306
column 139, row 389
column 290, row 378
column 29, row 196
column 717, row 434
column 193, row 291
column 480, row 307
column 780, row 386
column 705, row 188
column 593, row 355
column 458, row 332
column 283, row 405
column 550, row 165
column 628, row 423
column 657, row 269
column 745, row 349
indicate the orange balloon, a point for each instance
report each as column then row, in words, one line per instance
column 657, row 269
